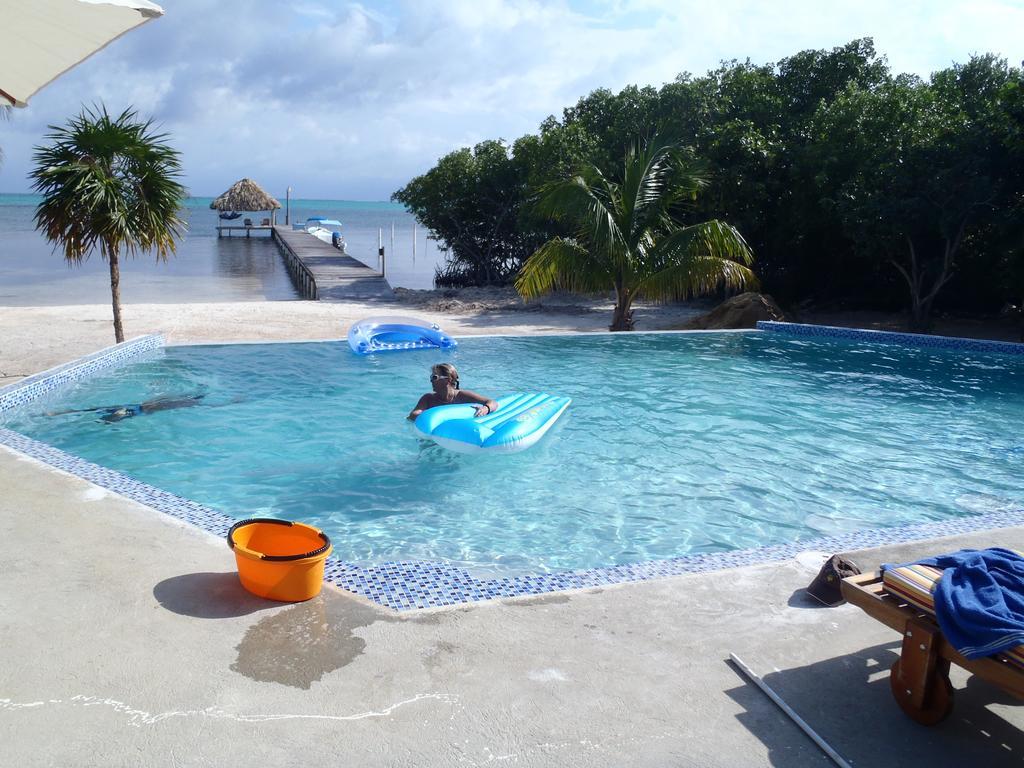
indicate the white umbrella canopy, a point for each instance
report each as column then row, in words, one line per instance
column 42, row 39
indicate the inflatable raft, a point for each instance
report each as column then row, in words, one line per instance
column 385, row 334
column 520, row 421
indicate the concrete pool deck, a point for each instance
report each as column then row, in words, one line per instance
column 127, row 641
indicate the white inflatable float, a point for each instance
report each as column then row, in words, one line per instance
column 388, row 334
column 520, row 421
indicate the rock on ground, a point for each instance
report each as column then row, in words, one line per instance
column 741, row 311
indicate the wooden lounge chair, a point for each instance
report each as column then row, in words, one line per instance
column 266, row 223
column 247, row 222
column 920, row 677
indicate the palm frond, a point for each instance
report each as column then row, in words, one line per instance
column 699, row 259
column 697, row 276
column 109, row 184
column 647, row 174
column 588, row 202
column 657, row 179
column 563, row 264
column 627, row 236
column 713, row 237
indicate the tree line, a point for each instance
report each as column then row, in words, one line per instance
column 852, row 185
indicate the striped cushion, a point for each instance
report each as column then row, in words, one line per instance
column 915, row 584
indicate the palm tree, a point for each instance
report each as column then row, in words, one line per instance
column 108, row 184
column 627, row 235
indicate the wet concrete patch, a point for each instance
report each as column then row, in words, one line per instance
column 437, row 655
column 297, row 646
column 549, row 599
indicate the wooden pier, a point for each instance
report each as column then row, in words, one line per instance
column 232, row 228
column 322, row 272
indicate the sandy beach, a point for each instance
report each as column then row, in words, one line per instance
column 36, row 338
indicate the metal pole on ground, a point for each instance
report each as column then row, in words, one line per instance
column 836, row 758
column 414, row 243
column 392, row 243
column 288, row 207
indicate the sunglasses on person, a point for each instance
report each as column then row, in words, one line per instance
column 435, row 376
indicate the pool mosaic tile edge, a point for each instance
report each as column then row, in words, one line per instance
column 38, row 384
column 411, row 585
column 891, row 337
column 170, row 504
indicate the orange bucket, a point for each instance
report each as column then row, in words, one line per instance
column 279, row 559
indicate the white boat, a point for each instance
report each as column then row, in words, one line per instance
column 328, row 230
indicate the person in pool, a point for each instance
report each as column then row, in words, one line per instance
column 445, row 381
column 115, row 413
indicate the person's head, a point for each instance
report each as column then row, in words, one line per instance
column 117, row 414
column 443, row 374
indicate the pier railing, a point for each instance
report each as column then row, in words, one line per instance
column 302, row 278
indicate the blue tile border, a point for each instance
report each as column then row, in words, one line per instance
column 410, row 585
column 176, row 506
column 38, row 384
column 891, row 337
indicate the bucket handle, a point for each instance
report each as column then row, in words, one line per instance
column 275, row 521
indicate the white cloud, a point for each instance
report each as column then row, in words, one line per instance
column 350, row 100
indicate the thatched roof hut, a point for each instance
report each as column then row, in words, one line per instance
column 245, row 195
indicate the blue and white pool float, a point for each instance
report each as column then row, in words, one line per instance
column 386, row 334
column 520, row 421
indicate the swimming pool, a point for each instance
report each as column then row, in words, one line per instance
column 675, row 445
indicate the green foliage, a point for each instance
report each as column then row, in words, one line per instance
column 851, row 184
column 108, row 184
column 756, row 138
column 919, row 172
column 626, row 235
column 472, row 201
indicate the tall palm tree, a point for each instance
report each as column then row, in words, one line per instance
column 628, row 236
column 109, row 183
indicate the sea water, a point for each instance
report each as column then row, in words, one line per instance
column 673, row 444
column 205, row 268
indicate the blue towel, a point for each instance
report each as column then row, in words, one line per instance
column 979, row 601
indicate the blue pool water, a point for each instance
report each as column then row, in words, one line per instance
column 674, row 443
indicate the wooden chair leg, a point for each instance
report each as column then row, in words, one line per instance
column 920, row 677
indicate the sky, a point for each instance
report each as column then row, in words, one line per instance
column 343, row 100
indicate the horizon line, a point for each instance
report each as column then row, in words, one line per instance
column 198, row 197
